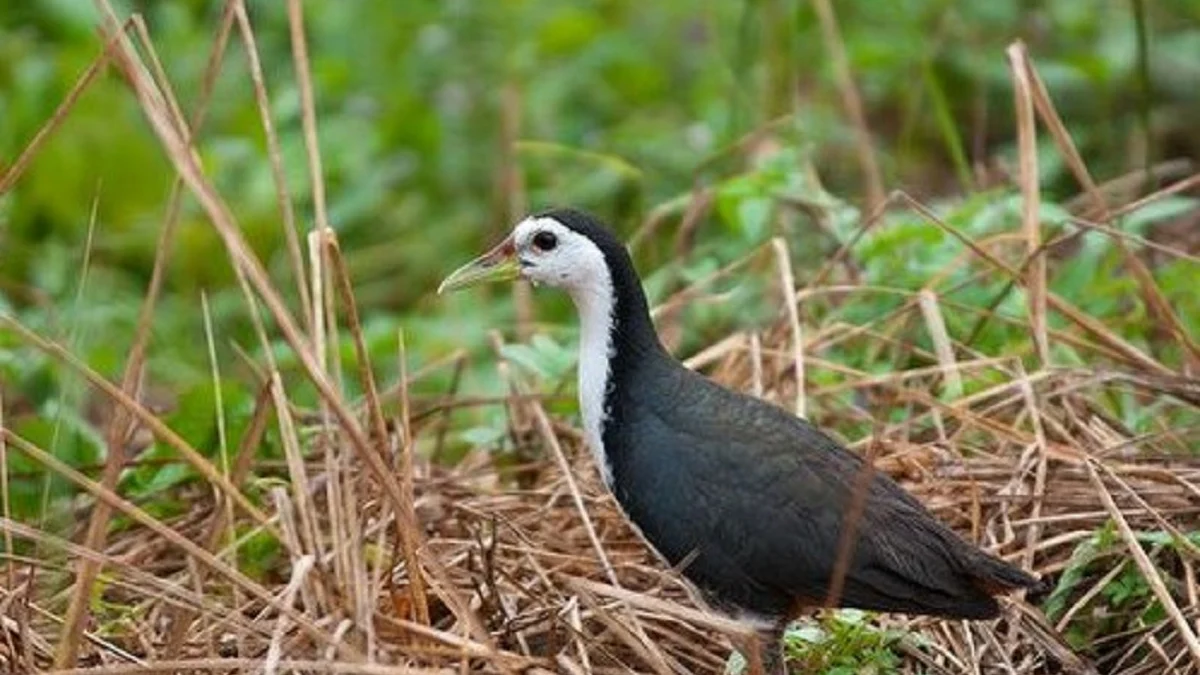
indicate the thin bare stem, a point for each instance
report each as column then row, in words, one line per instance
column 851, row 102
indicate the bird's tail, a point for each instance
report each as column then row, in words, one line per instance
column 995, row 576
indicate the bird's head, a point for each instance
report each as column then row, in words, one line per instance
column 560, row 248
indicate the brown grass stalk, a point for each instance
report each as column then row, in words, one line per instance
column 287, row 211
column 942, row 346
column 787, row 284
column 17, row 169
column 5, row 499
column 119, row 426
column 308, row 115
column 119, row 504
column 1095, row 328
column 225, row 665
column 851, row 103
column 1035, row 276
column 408, row 527
column 242, row 257
column 143, row 416
column 1156, row 302
column 174, row 595
column 223, row 519
column 1145, row 565
column 560, row 458
column 536, row 574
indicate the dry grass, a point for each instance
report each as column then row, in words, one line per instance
column 397, row 565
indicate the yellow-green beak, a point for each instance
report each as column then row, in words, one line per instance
column 498, row 264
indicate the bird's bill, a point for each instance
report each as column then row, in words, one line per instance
column 498, row 264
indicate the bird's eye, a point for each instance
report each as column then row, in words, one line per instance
column 545, row 241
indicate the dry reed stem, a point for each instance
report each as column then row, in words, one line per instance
column 160, row 430
column 1096, row 589
column 936, row 324
column 1010, row 462
column 1123, row 188
column 117, row 503
column 1033, row 411
column 1180, row 538
column 638, row 643
column 275, row 157
column 243, row 257
column 1149, row 572
column 5, row 499
column 851, row 103
column 162, row 590
column 1035, row 277
column 543, row 425
column 309, row 540
column 224, row 519
column 409, row 527
column 787, row 284
column 308, row 116
column 46, row 131
column 407, row 524
column 119, row 427
column 1140, row 241
column 317, row 291
column 224, row 665
column 1133, row 355
column 300, row 571
column 1183, row 185
column 1156, row 302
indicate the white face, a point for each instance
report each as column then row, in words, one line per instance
column 555, row 255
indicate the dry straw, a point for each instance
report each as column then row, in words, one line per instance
column 396, row 565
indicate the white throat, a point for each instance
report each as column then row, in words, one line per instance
column 574, row 263
column 595, row 306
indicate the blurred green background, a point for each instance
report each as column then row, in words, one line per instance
column 619, row 106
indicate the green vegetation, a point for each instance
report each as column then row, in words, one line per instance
column 701, row 131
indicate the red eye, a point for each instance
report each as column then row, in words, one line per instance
column 545, row 241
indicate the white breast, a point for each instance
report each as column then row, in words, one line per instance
column 595, row 306
column 578, row 266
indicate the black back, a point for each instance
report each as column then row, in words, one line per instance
column 753, row 499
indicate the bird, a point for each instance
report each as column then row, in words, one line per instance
column 748, row 500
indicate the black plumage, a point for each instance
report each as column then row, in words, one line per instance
column 751, row 501
column 755, row 498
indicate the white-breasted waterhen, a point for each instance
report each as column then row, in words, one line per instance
column 750, row 500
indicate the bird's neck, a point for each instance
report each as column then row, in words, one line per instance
column 616, row 332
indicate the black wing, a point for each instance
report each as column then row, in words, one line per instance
column 753, row 501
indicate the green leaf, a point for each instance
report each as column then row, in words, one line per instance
column 483, row 436
column 542, row 356
column 1156, row 211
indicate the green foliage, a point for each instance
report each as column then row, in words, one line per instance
column 542, row 356
column 841, row 643
column 194, row 417
column 845, row 643
column 1125, row 601
column 259, row 554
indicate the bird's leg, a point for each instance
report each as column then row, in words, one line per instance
column 764, row 652
column 771, row 649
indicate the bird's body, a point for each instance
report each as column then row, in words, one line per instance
column 749, row 501
column 758, row 500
